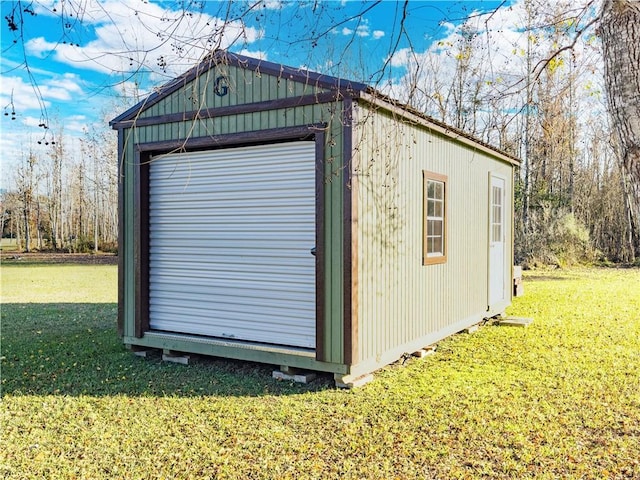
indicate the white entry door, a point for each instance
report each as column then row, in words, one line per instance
column 497, row 266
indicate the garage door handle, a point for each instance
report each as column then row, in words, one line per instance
column 313, row 251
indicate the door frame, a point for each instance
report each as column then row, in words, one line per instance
column 143, row 154
column 491, row 303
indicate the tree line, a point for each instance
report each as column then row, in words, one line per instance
column 65, row 195
column 546, row 103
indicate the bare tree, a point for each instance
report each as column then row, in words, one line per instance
column 53, row 176
column 27, row 187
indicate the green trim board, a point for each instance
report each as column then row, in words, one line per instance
column 141, row 210
column 237, row 351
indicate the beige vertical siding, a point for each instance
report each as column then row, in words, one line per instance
column 403, row 305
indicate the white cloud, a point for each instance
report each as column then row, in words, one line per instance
column 39, row 47
column 449, row 27
column 29, row 121
column 65, row 87
column 130, row 34
column 273, row 4
column 11, row 145
column 401, row 58
column 132, row 91
column 18, row 96
column 9, row 66
column 23, row 133
column 76, row 124
column 25, row 96
column 261, row 55
column 362, row 30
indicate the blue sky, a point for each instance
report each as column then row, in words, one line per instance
column 79, row 60
column 83, row 64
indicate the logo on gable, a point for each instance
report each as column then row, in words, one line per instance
column 222, row 86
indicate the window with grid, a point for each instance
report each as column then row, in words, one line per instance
column 496, row 214
column 434, row 223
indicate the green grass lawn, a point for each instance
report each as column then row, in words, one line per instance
column 559, row 399
column 8, row 245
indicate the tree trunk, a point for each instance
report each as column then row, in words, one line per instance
column 620, row 34
column 631, row 221
column 18, row 236
column 25, row 215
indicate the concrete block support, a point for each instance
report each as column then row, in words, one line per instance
column 516, row 322
column 349, row 381
column 176, row 357
column 294, row 375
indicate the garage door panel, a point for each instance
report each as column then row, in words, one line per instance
column 229, row 310
column 234, row 162
column 251, row 199
column 212, row 239
column 226, row 321
column 230, row 238
column 193, row 184
column 274, row 258
column 289, row 264
column 248, row 215
column 228, row 328
column 248, row 212
column 236, row 333
column 258, row 289
column 163, row 299
column 266, row 280
column 242, row 268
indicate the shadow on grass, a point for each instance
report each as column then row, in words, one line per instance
column 72, row 349
column 546, row 278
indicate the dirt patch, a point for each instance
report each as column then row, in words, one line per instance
column 62, row 258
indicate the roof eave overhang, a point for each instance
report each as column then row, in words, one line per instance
column 342, row 87
column 379, row 100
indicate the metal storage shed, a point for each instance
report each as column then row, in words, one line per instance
column 278, row 215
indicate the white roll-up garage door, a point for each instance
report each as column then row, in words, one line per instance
column 230, row 238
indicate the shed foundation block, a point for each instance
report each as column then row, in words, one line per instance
column 349, row 381
column 522, row 322
column 176, row 357
column 424, row 352
column 138, row 351
column 294, row 375
column 472, row 329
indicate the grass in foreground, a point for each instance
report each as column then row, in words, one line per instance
column 560, row 399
